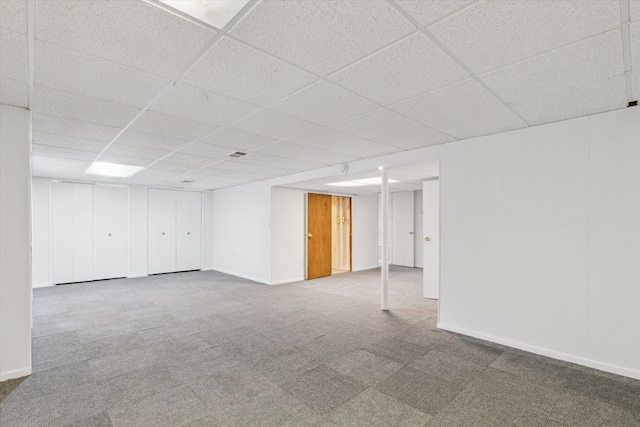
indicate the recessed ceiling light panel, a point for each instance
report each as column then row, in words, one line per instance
column 112, row 170
column 216, row 13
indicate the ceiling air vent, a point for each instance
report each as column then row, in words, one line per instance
column 237, row 155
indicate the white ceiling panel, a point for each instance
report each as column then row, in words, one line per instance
column 64, row 153
column 271, row 171
column 491, row 34
column 188, row 159
column 236, row 70
column 241, row 141
column 74, row 128
column 321, row 36
column 413, row 66
column 172, row 126
column 57, row 168
column 128, row 32
column 364, row 149
column 296, row 165
column 413, row 138
column 256, row 159
column 594, row 59
column 13, row 92
column 124, row 160
column 198, row 104
column 74, row 72
column 210, row 172
column 228, row 167
column 453, row 101
column 427, row 12
column 576, row 101
column 14, row 62
column 275, row 125
column 149, row 140
column 13, row 15
column 635, row 10
column 285, row 150
column 328, row 157
column 208, row 150
column 635, row 58
column 324, row 104
column 63, row 104
column 69, row 142
column 376, row 124
column 251, row 176
column 223, row 181
column 326, row 139
column 176, row 167
column 480, row 123
column 138, row 152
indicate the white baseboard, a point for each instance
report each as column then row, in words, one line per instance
column 282, row 282
column 42, row 285
column 16, row 373
column 369, row 267
column 242, row 276
column 135, row 276
column 602, row 366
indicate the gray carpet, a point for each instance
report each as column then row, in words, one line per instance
column 208, row 349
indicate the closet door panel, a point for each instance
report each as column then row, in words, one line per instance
column 101, row 232
column 82, row 232
column 189, row 230
column 162, row 231
column 62, row 232
column 119, row 231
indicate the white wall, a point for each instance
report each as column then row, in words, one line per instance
column 40, row 232
column 417, row 229
column 15, row 242
column 207, row 230
column 287, row 235
column 364, row 232
column 540, row 240
column 138, row 243
column 242, row 230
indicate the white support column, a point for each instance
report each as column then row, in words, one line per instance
column 384, row 240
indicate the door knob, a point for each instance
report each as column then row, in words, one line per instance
column 109, row 234
column 188, row 233
column 411, row 232
column 310, row 235
column 426, row 239
column 163, row 234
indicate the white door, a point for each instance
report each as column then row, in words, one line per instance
column 189, row 230
column 402, row 252
column 110, row 231
column 82, row 232
column 431, row 238
column 162, row 231
column 62, row 232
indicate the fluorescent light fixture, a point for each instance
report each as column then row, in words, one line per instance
column 377, row 180
column 112, row 170
column 217, row 13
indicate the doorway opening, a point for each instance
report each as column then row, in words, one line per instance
column 341, row 234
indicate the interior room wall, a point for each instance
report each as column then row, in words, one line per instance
column 287, row 239
column 418, row 243
column 364, row 232
column 15, row 242
column 242, row 230
column 207, row 230
column 40, row 232
column 540, row 240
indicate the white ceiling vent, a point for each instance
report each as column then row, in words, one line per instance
column 236, row 155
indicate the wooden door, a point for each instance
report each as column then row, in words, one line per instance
column 189, row 230
column 318, row 235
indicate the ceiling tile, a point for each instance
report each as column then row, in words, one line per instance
column 413, row 66
column 365, row 149
column 213, row 172
column 375, row 124
column 137, row 152
column 251, row 176
column 64, row 153
column 328, row 157
column 198, row 104
column 176, row 167
column 63, row 104
column 13, row 15
column 590, row 60
column 66, row 70
column 14, row 93
column 172, row 126
column 222, row 182
column 326, row 139
column 57, row 167
column 124, row 160
column 275, row 125
column 188, row 159
column 413, row 138
column 241, row 141
column 590, row 98
column 13, row 56
column 452, row 101
column 74, row 128
column 635, row 10
column 635, row 66
column 485, row 122
column 69, row 142
column 156, row 41
column 324, row 104
column 491, row 34
column 271, row 171
column 257, row 159
column 228, row 167
column 296, row 165
column 208, row 150
column 285, row 150
column 427, row 12
column 234, row 69
column 149, row 140
column 321, row 36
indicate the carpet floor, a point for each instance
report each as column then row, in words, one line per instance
column 209, row 349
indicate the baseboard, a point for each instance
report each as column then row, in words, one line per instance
column 282, row 282
column 16, row 373
column 602, row 366
column 254, row 279
column 136, row 276
column 42, row 285
column 369, row 267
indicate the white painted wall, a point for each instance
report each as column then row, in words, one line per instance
column 15, row 242
column 540, row 240
column 40, row 232
column 287, row 235
column 418, row 243
column 207, row 230
column 138, row 203
column 242, row 230
column 364, row 232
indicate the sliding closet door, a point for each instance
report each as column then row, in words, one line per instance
column 162, row 231
column 82, row 232
column 110, row 231
column 62, row 232
column 189, row 230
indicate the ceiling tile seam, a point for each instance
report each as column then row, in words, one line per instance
column 458, row 61
column 198, row 57
column 31, row 49
column 447, row 15
column 625, row 33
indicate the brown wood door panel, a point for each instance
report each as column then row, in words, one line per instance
column 319, row 235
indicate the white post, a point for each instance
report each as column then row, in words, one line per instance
column 384, row 238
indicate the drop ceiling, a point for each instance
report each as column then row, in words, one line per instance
column 301, row 85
